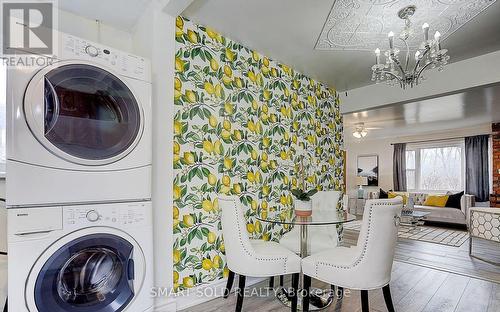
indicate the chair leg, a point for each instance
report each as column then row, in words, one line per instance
column 271, row 282
column 229, row 284
column 241, row 293
column 282, row 280
column 295, row 290
column 364, row 301
column 305, row 300
column 388, row 299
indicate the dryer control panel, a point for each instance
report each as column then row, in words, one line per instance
column 123, row 63
column 115, row 215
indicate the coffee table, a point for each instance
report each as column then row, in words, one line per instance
column 413, row 219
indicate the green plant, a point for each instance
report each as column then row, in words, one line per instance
column 303, row 195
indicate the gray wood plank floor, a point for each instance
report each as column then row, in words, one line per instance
column 426, row 277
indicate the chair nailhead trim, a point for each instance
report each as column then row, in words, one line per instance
column 248, row 252
column 365, row 245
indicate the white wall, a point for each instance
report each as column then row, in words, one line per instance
column 383, row 148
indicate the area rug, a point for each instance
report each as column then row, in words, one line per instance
column 431, row 234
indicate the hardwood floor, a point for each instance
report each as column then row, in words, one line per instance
column 426, row 277
column 414, row 289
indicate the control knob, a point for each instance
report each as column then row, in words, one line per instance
column 93, row 216
column 91, row 50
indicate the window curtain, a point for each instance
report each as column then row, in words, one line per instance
column 477, row 170
column 399, row 167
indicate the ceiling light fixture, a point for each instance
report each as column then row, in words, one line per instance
column 360, row 131
column 429, row 55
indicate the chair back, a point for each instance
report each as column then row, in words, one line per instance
column 324, row 204
column 377, row 240
column 236, row 240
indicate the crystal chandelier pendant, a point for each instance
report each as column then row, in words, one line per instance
column 408, row 72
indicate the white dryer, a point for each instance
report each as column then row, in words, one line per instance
column 95, row 258
column 79, row 130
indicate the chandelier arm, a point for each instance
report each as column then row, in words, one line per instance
column 427, row 49
column 391, row 74
column 422, row 70
column 403, row 73
column 407, row 53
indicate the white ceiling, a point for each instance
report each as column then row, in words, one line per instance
column 466, row 109
column 121, row 14
column 287, row 31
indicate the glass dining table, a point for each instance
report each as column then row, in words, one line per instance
column 320, row 299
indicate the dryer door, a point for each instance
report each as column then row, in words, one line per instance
column 83, row 113
column 94, row 273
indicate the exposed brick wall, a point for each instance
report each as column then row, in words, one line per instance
column 495, row 197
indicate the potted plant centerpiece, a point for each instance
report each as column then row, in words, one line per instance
column 303, row 203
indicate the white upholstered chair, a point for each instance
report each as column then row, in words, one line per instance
column 367, row 265
column 256, row 258
column 322, row 237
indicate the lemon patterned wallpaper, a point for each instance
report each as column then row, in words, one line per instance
column 241, row 123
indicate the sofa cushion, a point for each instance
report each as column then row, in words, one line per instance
column 454, row 200
column 436, row 200
column 442, row 214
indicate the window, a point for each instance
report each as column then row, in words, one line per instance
column 3, row 97
column 435, row 167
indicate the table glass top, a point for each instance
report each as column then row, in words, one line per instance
column 320, row 218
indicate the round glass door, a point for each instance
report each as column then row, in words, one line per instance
column 92, row 273
column 89, row 115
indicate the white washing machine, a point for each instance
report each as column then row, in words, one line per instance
column 85, row 258
column 79, row 130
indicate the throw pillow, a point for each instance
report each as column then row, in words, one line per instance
column 394, row 195
column 383, row 194
column 436, row 200
column 454, row 200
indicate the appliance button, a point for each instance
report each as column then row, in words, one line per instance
column 93, row 216
column 91, row 50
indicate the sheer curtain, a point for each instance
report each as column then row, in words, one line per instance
column 477, row 170
column 399, row 167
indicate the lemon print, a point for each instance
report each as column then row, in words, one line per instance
column 192, row 37
column 255, row 105
column 255, row 56
column 215, row 205
column 265, row 109
column 211, row 33
column 177, row 84
column 177, row 94
column 177, row 148
column 251, row 176
column 228, row 71
column 189, row 158
column 267, row 94
column 258, row 226
column 218, row 147
column 226, row 180
column 208, row 146
column 237, row 135
column 251, row 76
column 263, row 214
column 274, row 72
column 179, row 22
column 226, row 124
column 250, row 228
column 283, row 155
column 254, row 154
column 217, row 262
column 188, row 282
column 179, row 65
column 265, row 62
column 228, row 163
column 177, row 127
column 212, row 121
column 176, row 256
column 264, row 205
column 176, row 276
column 265, row 70
column 228, row 107
column 236, row 188
column 226, row 80
column 266, row 237
column 209, row 88
column 222, row 248
column 238, row 82
column 177, row 192
column 254, row 204
column 212, row 179
column 226, row 135
column 266, row 190
column 285, row 180
column 251, row 126
column 225, row 273
column 188, row 220
column 218, row 91
column 225, row 189
column 230, row 55
column 283, row 199
column 211, row 237
column 190, row 96
column 266, row 142
column 207, row 205
column 176, row 212
column 258, row 177
column 265, row 156
column 264, row 165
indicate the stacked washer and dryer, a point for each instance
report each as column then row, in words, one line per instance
column 79, row 182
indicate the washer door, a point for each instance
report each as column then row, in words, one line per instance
column 83, row 113
column 94, row 272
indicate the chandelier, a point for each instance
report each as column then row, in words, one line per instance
column 402, row 73
column 360, row 131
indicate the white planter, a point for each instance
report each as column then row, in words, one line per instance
column 303, row 208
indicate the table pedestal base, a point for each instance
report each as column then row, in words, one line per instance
column 319, row 299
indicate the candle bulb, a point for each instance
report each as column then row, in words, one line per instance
column 417, row 55
column 425, row 28
column 377, row 55
column 437, row 37
column 391, row 40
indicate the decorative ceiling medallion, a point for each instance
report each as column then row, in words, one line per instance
column 364, row 24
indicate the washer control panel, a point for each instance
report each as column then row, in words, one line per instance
column 116, row 215
column 121, row 62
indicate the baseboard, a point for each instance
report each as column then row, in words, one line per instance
column 201, row 294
